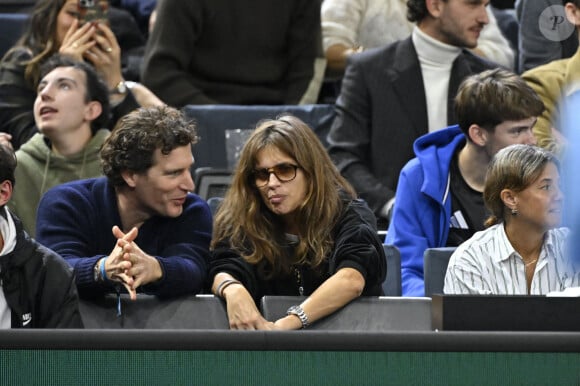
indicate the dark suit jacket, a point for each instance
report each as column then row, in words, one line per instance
column 381, row 110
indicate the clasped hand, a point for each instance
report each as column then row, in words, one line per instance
column 129, row 265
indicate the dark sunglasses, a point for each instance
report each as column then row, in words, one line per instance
column 284, row 172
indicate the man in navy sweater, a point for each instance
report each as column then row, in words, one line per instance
column 138, row 227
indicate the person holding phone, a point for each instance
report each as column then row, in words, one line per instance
column 54, row 28
column 291, row 225
column 92, row 11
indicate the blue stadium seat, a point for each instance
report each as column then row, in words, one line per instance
column 435, row 261
column 211, row 182
column 214, row 204
column 392, row 283
column 213, row 120
column 11, row 28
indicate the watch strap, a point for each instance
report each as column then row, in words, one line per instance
column 299, row 312
column 121, row 88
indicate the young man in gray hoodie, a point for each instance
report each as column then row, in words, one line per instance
column 71, row 111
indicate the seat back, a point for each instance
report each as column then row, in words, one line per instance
column 211, row 182
column 367, row 313
column 392, row 283
column 101, row 312
column 11, row 28
column 149, row 312
column 16, row 6
column 214, row 204
column 213, row 121
column 435, row 261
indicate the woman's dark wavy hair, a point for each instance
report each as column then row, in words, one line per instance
column 253, row 230
column 39, row 38
column 136, row 136
column 96, row 88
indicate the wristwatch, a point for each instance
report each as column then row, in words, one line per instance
column 120, row 89
column 97, row 272
column 298, row 311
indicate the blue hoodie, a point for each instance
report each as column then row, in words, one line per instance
column 423, row 205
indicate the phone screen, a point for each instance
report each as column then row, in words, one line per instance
column 92, row 10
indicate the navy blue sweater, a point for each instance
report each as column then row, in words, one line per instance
column 75, row 220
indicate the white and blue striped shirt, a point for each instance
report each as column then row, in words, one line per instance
column 487, row 264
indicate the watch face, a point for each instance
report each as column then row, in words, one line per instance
column 121, row 88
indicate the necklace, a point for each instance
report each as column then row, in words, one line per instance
column 298, row 276
column 530, row 262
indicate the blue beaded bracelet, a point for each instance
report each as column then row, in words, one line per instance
column 103, row 271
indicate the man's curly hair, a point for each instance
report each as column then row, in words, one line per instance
column 133, row 141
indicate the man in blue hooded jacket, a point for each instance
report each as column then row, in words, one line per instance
column 439, row 194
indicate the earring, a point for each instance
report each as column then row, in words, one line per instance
column 514, row 211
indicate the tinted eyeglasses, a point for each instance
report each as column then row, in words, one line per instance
column 284, row 172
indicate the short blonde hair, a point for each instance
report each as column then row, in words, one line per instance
column 514, row 167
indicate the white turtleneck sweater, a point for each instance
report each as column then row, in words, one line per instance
column 8, row 234
column 436, row 59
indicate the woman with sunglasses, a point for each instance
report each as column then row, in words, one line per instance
column 291, row 225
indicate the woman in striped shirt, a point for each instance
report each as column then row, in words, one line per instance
column 522, row 250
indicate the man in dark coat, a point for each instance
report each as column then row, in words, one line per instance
column 37, row 288
column 392, row 95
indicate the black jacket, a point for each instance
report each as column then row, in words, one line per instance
column 38, row 285
column 356, row 245
column 381, row 111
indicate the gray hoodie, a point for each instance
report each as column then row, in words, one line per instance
column 39, row 169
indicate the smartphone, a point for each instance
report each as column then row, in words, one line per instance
column 92, row 11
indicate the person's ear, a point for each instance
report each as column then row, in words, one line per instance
column 478, row 135
column 130, row 178
column 5, row 192
column 93, row 110
column 572, row 13
column 509, row 198
column 434, row 7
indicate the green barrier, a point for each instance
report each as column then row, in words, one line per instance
column 148, row 367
